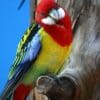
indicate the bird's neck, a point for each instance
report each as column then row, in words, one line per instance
column 61, row 32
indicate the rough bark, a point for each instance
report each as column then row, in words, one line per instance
column 84, row 66
column 33, row 4
column 83, row 70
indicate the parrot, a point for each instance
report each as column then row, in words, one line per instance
column 41, row 51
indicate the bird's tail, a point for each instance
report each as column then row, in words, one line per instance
column 8, row 90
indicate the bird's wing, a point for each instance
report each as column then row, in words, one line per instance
column 27, row 51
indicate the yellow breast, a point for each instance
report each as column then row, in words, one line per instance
column 52, row 55
column 50, row 59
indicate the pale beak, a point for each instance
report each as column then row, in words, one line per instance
column 54, row 16
column 57, row 14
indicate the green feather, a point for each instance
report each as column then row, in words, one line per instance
column 21, row 49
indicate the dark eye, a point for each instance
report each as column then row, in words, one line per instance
column 43, row 14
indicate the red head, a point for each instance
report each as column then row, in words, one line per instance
column 43, row 9
column 55, row 21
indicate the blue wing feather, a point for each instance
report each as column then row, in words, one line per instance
column 26, row 55
column 31, row 53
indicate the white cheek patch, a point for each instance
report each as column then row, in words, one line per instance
column 48, row 21
column 61, row 13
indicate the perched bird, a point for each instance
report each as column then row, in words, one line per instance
column 42, row 50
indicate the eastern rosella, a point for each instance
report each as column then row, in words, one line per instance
column 42, row 50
